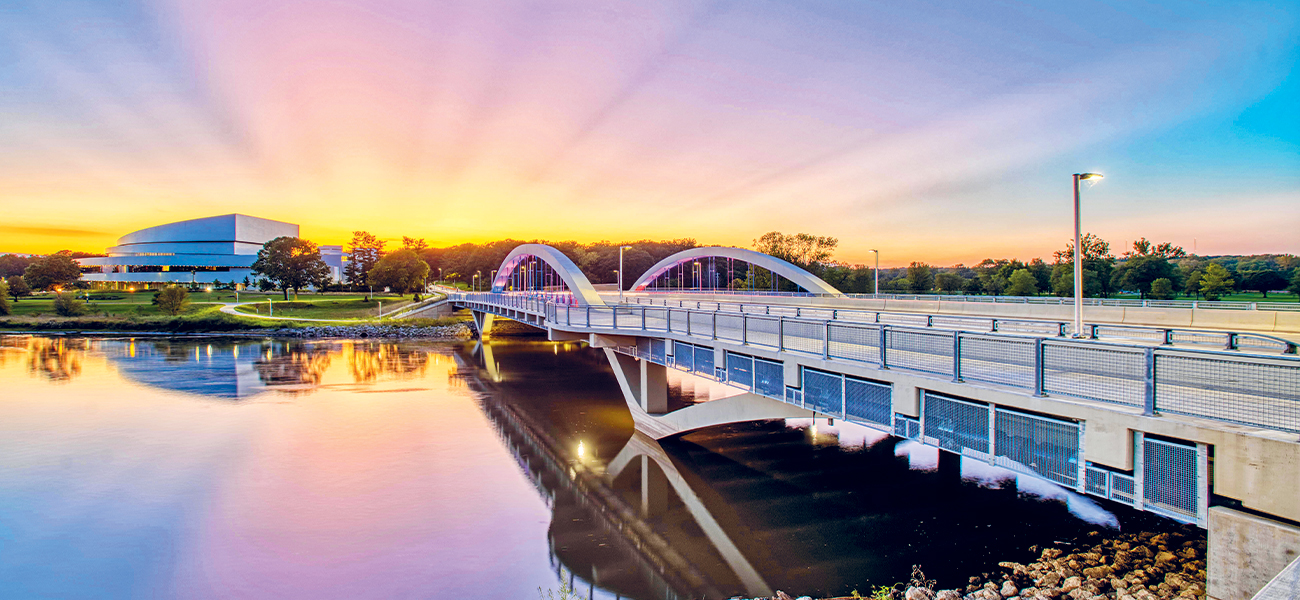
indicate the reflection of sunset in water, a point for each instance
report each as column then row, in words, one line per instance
column 368, row 361
column 55, row 359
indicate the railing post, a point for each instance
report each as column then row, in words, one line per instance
column 744, row 329
column 688, row 322
column 568, row 315
column 1040, row 368
column 993, row 326
column 956, row 357
column 1232, row 342
column 614, row 318
column 1169, row 337
column 780, row 334
column 588, row 316
column 884, row 341
column 715, row 325
column 1149, row 383
column 642, row 316
column 826, row 337
column 929, row 320
column 1060, row 329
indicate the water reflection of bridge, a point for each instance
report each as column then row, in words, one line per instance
column 749, row 508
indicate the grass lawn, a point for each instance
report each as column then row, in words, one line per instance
column 329, row 307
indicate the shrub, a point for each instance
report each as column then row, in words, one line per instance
column 66, row 305
column 1162, row 289
column 172, row 299
column 4, row 297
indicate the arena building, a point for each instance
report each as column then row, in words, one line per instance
column 199, row 251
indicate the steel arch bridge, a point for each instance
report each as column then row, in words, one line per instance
column 701, row 268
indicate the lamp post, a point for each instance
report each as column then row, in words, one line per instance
column 620, row 271
column 699, row 276
column 1078, row 255
column 494, row 278
column 875, row 287
column 439, row 274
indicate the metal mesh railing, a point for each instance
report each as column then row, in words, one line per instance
column 762, row 331
column 955, row 425
column 926, row 351
column 803, row 336
column 683, row 356
column 703, row 362
column 740, row 370
column 1228, row 389
column 1041, row 445
column 701, row 324
column 1105, row 373
column 656, row 319
column 855, row 342
column 731, row 327
column 769, row 378
column 1121, row 487
column 1169, row 477
column 1005, row 361
column 1097, row 481
column 868, row 400
column 823, row 392
column 907, row 427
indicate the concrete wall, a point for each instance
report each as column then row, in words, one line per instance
column 1246, row 552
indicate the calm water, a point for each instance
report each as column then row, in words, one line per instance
column 187, row 468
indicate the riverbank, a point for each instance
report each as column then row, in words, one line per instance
column 1105, row 566
column 441, row 329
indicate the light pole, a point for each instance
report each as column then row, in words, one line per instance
column 875, row 287
column 1078, row 255
column 699, row 276
column 494, row 278
column 439, row 274
column 620, row 271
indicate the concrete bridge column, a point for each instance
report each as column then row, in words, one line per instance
column 482, row 322
column 654, row 488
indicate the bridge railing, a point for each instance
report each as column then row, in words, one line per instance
column 1047, row 300
column 1231, row 386
column 1227, row 340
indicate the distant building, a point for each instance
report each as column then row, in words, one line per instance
column 196, row 251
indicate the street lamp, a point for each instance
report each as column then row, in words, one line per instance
column 699, row 276
column 875, row 287
column 494, row 278
column 439, row 274
column 620, row 271
column 1078, row 255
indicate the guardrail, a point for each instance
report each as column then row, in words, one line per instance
column 1048, row 300
column 1249, row 389
column 1227, row 340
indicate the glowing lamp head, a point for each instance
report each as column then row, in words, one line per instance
column 1089, row 176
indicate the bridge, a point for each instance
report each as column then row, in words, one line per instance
column 1197, row 424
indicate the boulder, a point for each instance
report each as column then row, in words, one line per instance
column 1049, row 580
column 918, row 593
column 1009, row 589
column 947, row 595
column 1070, row 584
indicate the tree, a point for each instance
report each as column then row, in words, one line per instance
column 803, row 249
column 920, row 277
column 1022, row 284
column 1162, row 289
column 1142, row 247
column 1192, row 287
column 67, row 305
column 172, row 299
column 4, row 297
column 13, row 264
column 18, row 287
column 1295, row 284
column 1263, row 281
column 52, row 271
column 1096, row 258
column 366, row 250
column 291, row 262
column 949, row 283
column 416, row 245
column 402, row 271
column 1139, row 270
column 1215, row 281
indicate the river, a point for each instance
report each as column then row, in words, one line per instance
column 249, row 468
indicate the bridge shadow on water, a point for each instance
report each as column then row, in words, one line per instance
column 750, row 508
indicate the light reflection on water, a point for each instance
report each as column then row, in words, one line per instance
column 183, row 468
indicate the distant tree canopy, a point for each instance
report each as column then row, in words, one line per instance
column 291, row 263
column 364, row 251
column 402, row 271
column 13, row 265
column 52, row 271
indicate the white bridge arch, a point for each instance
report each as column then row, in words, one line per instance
column 789, row 271
column 519, row 272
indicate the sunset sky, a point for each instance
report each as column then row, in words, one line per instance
column 941, row 132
